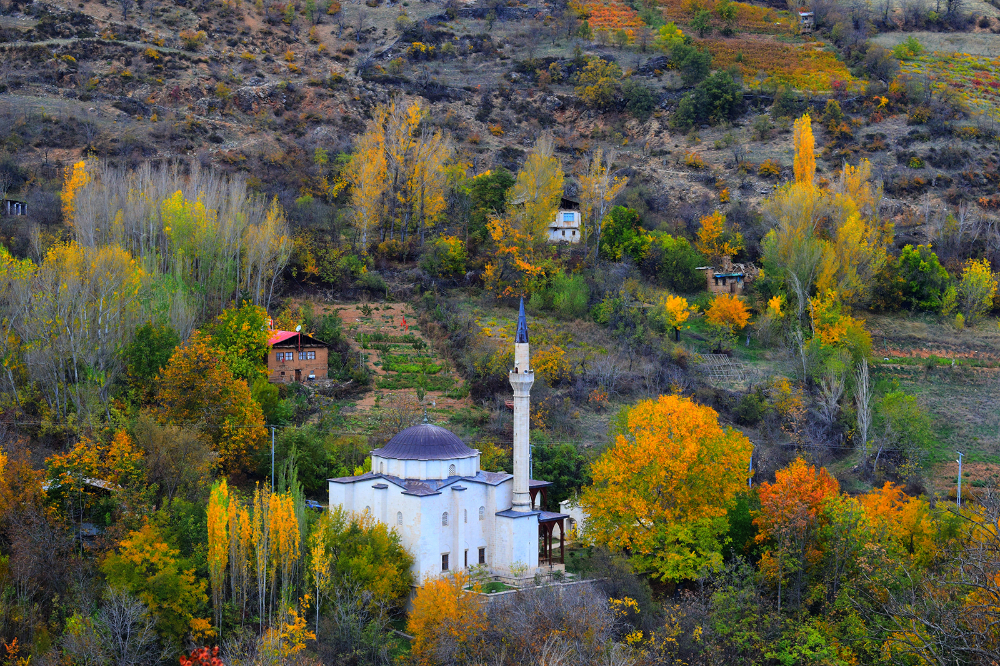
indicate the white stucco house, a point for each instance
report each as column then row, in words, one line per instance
column 426, row 483
column 565, row 228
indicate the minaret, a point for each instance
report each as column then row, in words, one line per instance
column 521, row 379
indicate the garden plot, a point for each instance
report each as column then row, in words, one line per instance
column 401, row 360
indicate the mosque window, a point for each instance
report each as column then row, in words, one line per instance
column 482, row 513
column 444, row 519
column 465, row 515
column 452, row 471
column 444, row 560
column 399, row 517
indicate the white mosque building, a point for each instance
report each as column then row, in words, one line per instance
column 427, row 484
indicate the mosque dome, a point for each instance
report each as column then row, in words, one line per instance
column 425, row 442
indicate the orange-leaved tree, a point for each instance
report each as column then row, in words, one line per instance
column 661, row 492
column 727, row 315
column 197, row 388
column 805, row 147
column 446, row 615
column 791, row 510
column 512, row 270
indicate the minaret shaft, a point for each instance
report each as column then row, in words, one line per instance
column 521, row 379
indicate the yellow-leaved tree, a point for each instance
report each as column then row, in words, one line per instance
column 444, row 611
column 662, row 490
column 366, row 175
column 218, row 545
column 76, row 178
column 674, row 311
column 715, row 241
column 599, row 187
column 825, row 239
column 398, row 174
column 535, row 197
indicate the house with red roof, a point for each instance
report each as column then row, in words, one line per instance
column 295, row 357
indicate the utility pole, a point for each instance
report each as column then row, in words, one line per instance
column 272, row 459
column 959, row 461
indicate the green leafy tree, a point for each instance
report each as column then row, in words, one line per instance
column 147, row 354
column 445, row 257
column 622, row 235
column 671, row 261
column 369, row 555
column 727, row 11
column 565, row 466
column 922, row 279
column 702, row 22
column 639, row 100
column 487, row 195
column 716, row 99
column 694, row 64
column 240, row 333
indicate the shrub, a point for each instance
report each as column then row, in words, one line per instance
column 787, row 104
column 193, row 40
column 445, row 257
column 910, row 48
column 567, row 295
column 716, row 99
column 769, row 168
column 639, row 99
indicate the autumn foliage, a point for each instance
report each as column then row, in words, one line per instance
column 444, row 610
column 198, row 388
column 661, row 492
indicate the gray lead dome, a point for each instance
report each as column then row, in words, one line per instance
column 425, row 442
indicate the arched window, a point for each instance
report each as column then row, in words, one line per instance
column 381, row 468
column 465, row 515
column 482, row 513
column 368, row 509
column 399, row 517
column 452, row 471
column 444, row 519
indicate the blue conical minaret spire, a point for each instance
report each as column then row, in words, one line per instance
column 522, row 326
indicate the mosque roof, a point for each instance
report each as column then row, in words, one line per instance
column 425, row 442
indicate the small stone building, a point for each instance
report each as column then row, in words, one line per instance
column 807, row 21
column 729, row 279
column 295, row 357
